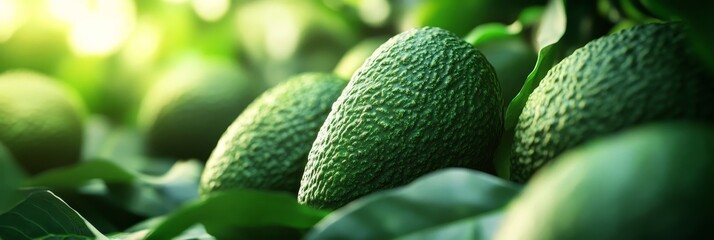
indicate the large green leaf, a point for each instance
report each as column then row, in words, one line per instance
column 44, row 215
column 482, row 226
column 142, row 229
column 141, row 194
column 79, row 175
column 154, row 196
column 442, row 205
column 124, row 145
column 239, row 213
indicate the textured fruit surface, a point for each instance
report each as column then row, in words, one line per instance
column 40, row 121
column 644, row 183
column 639, row 75
column 191, row 105
column 266, row 147
column 424, row 100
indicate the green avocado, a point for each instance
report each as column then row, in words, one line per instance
column 41, row 121
column 424, row 100
column 191, row 105
column 643, row 74
column 649, row 182
column 266, row 147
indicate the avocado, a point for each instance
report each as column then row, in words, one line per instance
column 191, row 105
column 266, row 147
column 424, row 100
column 640, row 75
column 649, row 182
column 41, row 121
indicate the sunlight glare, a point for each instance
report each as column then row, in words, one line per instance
column 210, row 10
column 374, row 12
column 69, row 12
column 101, row 27
column 282, row 32
column 143, row 46
column 9, row 19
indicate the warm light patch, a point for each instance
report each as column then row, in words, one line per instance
column 69, row 12
column 374, row 12
column 282, row 32
column 210, row 10
column 270, row 28
column 142, row 48
column 9, row 18
column 97, row 27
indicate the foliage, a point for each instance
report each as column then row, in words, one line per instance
column 252, row 214
column 44, row 215
column 447, row 204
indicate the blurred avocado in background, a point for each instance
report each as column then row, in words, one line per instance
column 33, row 35
column 108, row 50
column 42, row 121
column 281, row 38
column 192, row 103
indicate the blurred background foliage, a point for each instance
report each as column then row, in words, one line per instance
column 111, row 50
column 116, row 52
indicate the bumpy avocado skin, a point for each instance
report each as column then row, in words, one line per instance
column 424, row 100
column 266, row 147
column 645, row 183
column 643, row 74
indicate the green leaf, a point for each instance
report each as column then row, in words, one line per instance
column 433, row 207
column 551, row 30
column 154, row 196
column 44, row 215
column 490, row 32
column 547, row 57
column 232, row 213
column 79, row 175
column 141, row 194
column 531, row 16
column 123, row 145
column 477, row 227
column 142, row 229
column 553, row 24
column 560, row 32
column 11, row 177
